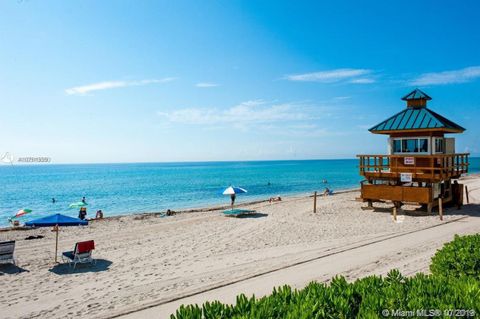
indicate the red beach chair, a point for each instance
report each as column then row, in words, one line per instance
column 81, row 254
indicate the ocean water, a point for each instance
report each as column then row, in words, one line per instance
column 152, row 187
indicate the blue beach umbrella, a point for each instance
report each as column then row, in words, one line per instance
column 232, row 190
column 56, row 220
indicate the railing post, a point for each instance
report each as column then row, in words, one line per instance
column 466, row 159
column 457, row 158
column 440, row 208
column 432, row 167
column 444, row 167
column 414, row 167
column 396, row 165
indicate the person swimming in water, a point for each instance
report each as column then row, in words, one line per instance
column 54, row 200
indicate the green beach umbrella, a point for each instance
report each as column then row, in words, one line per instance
column 78, row 205
column 22, row 212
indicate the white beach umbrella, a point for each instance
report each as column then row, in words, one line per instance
column 234, row 190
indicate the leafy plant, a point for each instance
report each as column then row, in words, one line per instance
column 454, row 284
column 460, row 257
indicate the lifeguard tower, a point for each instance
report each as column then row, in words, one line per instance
column 421, row 162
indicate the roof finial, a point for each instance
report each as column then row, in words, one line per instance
column 416, row 98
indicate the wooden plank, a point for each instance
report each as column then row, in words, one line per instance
column 397, row 193
column 417, row 194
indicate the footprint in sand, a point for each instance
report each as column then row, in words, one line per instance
column 93, row 305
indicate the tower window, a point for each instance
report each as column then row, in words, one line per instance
column 410, row 145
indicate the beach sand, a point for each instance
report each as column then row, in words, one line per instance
column 147, row 260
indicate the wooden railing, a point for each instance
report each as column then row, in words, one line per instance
column 425, row 167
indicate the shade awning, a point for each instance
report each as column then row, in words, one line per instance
column 57, row 219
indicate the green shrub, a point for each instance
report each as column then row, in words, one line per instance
column 364, row 298
column 454, row 284
column 458, row 258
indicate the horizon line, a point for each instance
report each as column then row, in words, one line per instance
column 186, row 162
column 178, row 162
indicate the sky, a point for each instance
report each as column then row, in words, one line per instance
column 153, row 81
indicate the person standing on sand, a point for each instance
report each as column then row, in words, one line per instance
column 232, row 197
column 82, row 213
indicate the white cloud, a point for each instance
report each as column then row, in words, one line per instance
column 206, row 85
column 447, row 77
column 84, row 89
column 363, row 81
column 332, row 76
column 241, row 115
column 340, row 98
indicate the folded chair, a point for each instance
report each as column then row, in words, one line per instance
column 82, row 254
column 238, row 212
column 7, row 248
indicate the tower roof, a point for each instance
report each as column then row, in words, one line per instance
column 416, row 94
column 416, row 119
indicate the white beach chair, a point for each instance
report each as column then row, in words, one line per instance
column 7, row 249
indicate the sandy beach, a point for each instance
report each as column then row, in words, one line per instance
column 147, row 262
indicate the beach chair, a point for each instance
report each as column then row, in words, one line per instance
column 239, row 212
column 82, row 254
column 7, row 248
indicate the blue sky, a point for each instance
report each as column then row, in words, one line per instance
column 129, row 81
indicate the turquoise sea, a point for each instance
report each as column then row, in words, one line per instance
column 153, row 187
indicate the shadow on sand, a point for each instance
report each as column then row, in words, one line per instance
column 9, row 269
column 465, row 210
column 253, row 215
column 65, row 269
